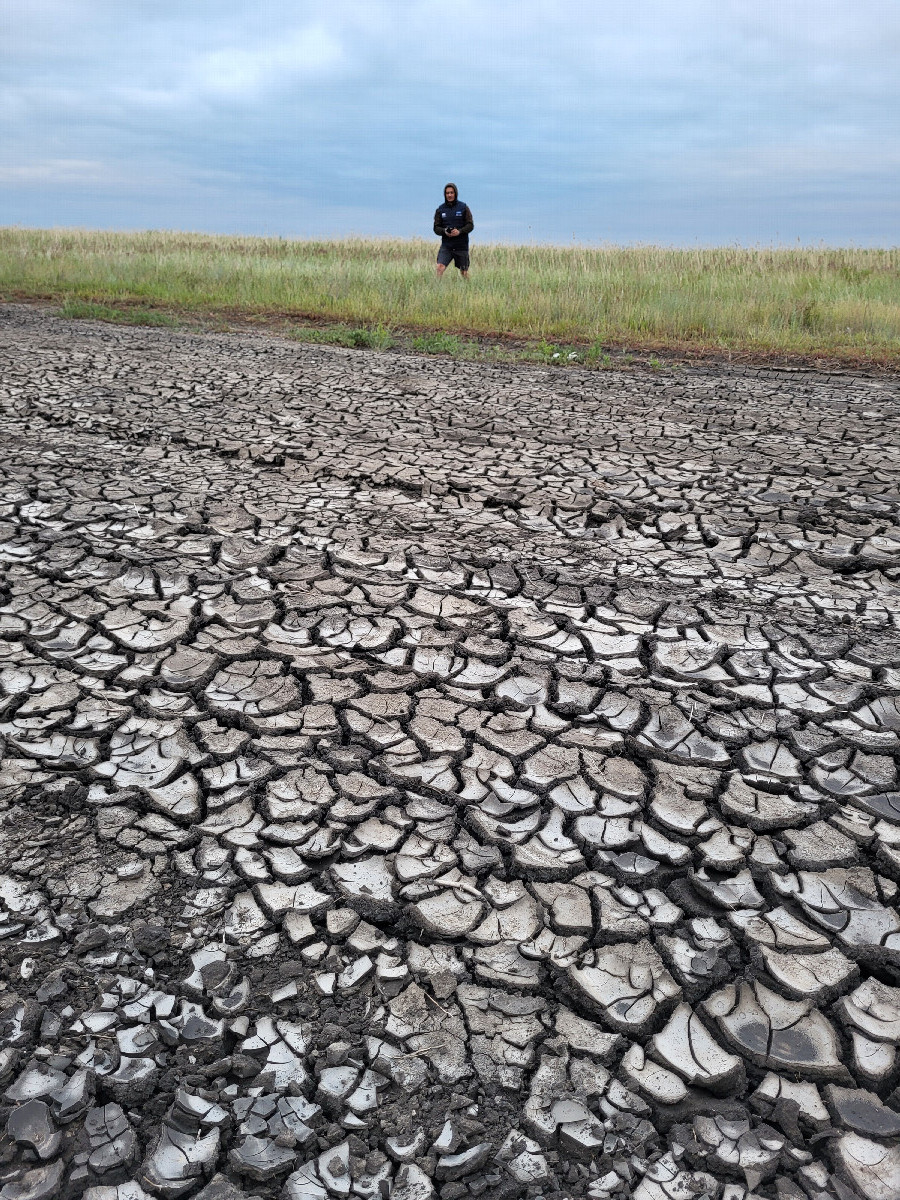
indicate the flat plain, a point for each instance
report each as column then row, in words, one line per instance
column 841, row 304
column 424, row 778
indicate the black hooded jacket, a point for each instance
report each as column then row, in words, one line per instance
column 454, row 216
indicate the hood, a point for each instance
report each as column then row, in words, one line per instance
column 455, row 199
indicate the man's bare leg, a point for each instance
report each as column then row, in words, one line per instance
column 441, row 268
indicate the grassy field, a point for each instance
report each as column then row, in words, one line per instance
column 840, row 304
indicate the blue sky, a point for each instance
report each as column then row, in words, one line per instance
column 696, row 121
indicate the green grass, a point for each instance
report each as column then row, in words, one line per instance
column 438, row 343
column 378, row 338
column 132, row 315
column 840, row 303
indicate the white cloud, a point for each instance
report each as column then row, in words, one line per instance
column 301, row 55
column 85, row 172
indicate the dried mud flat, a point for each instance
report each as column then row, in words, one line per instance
column 423, row 779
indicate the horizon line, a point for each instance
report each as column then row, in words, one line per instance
column 572, row 244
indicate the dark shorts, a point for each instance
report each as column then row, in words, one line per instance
column 459, row 258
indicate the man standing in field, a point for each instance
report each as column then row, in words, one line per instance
column 453, row 223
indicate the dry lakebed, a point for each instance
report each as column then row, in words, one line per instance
column 426, row 779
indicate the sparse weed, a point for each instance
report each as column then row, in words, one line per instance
column 437, row 343
column 378, row 338
column 555, row 356
column 83, row 310
column 332, row 335
column 343, row 335
column 596, row 356
column 543, row 351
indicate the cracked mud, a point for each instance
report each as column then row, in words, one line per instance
column 427, row 780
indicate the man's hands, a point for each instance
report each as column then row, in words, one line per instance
column 452, row 233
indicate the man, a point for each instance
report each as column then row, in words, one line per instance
column 453, row 223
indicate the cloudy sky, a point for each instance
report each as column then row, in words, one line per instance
column 696, row 121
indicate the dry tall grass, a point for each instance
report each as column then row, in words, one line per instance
column 843, row 302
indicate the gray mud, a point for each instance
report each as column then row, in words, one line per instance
column 422, row 779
